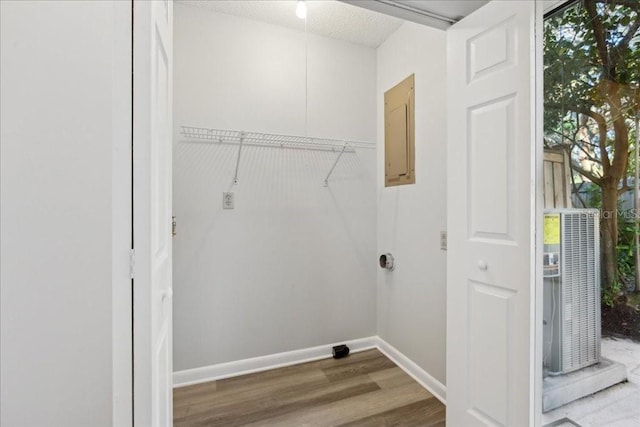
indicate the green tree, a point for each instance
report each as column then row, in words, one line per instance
column 592, row 70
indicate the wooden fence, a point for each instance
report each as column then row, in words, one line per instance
column 557, row 179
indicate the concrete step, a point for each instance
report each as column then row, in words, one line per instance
column 562, row 389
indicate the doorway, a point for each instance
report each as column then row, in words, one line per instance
column 394, row 325
column 590, row 222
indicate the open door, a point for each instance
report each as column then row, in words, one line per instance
column 152, row 296
column 491, row 216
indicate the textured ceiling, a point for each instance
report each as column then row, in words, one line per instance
column 327, row 18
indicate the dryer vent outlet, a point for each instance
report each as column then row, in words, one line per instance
column 340, row 351
column 386, row 261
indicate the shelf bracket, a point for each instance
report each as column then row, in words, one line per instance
column 326, row 180
column 235, row 176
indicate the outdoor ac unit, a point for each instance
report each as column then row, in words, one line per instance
column 571, row 331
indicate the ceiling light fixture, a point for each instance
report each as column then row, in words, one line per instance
column 301, row 9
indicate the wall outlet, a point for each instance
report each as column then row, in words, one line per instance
column 443, row 240
column 227, row 200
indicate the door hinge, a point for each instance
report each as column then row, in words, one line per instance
column 132, row 262
column 174, row 226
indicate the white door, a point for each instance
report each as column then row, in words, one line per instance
column 491, row 206
column 152, row 306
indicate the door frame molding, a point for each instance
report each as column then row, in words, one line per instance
column 144, row 294
column 537, row 159
column 124, row 339
column 536, row 371
column 121, row 214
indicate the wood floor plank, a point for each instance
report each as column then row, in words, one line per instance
column 265, row 395
column 180, row 412
column 423, row 413
column 278, row 404
column 356, row 367
column 264, row 382
column 205, row 401
column 363, row 389
column 351, row 409
column 259, row 377
column 391, row 377
column 181, row 394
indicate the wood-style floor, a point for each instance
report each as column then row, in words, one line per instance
column 363, row 389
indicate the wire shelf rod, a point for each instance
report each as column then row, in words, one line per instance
column 329, row 149
column 235, row 177
column 257, row 138
column 326, row 180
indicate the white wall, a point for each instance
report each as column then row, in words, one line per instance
column 65, row 94
column 293, row 265
column 412, row 299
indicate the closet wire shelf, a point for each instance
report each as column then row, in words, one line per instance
column 270, row 139
column 241, row 138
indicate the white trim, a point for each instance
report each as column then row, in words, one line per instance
column 279, row 360
column 423, row 378
column 264, row 363
column 143, row 300
column 537, row 185
column 122, row 378
column 549, row 5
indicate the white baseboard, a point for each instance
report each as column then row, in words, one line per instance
column 264, row 363
column 279, row 360
column 434, row 386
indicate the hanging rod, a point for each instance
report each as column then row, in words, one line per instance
column 257, row 138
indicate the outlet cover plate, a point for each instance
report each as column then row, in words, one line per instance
column 228, row 201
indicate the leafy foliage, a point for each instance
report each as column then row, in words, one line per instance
column 573, row 70
column 592, row 74
column 577, row 81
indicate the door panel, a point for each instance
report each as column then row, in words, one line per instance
column 490, row 147
column 490, row 313
column 492, row 50
column 152, row 101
